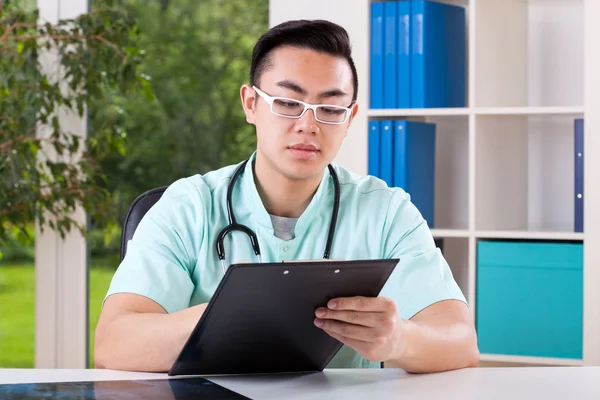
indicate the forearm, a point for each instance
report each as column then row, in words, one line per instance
column 148, row 342
column 435, row 345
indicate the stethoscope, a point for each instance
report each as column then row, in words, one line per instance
column 234, row 226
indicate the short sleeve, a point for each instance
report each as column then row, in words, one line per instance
column 422, row 276
column 163, row 250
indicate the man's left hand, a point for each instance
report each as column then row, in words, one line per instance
column 369, row 325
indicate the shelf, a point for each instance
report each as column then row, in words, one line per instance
column 416, row 112
column 427, row 112
column 533, row 235
column 537, row 62
column 505, row 160
column 524, row 173
column 462, row 3
column 451, row 171
column 574, row 111
column 456, row 253
column 530, row 360
column 450, row 233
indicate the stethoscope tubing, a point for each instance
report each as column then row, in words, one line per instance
column 234, row 226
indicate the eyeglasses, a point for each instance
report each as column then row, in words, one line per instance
column 291, row 108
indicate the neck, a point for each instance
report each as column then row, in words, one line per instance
column 282, row 196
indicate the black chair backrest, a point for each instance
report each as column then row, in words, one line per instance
column 136, row 212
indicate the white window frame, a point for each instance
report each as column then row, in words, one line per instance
column 61, row 266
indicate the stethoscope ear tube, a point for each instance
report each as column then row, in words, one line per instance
column 336, row 208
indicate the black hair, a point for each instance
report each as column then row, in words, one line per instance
column 318, row 35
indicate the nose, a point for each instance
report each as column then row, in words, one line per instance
column 307, row 123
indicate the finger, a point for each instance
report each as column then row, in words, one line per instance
column 370, row 319
column 357, row 345
column 349, row 331
column 360, row 303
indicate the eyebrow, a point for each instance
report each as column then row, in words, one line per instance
column 287, row 84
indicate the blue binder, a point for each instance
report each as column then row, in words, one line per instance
column 414, row 164
column 376, row 59
column 579, row 198
column 386, row 152
column 374, row 148
column 438, row 54
column 404, row 76
column 390, row 59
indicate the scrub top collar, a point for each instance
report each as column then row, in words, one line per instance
column 322, row 200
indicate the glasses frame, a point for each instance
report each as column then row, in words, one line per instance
column 307, row 106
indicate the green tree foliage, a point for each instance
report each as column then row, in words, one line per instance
column 161, row 83
column 46, row 170
column 197, row 54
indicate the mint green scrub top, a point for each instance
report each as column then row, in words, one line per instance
column 172, row 257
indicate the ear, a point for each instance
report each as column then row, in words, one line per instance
column 248, row 96
column 352, row 115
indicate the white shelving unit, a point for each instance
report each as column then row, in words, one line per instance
column 505, row 162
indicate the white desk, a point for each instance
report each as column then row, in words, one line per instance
column 479, row 383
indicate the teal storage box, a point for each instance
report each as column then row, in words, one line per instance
column 530, row 298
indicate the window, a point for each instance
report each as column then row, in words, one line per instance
column 197, row 55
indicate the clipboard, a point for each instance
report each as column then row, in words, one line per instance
column 261, row 318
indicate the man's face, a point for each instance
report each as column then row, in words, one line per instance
column 300, row 148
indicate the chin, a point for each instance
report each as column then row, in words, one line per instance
column 302, row 170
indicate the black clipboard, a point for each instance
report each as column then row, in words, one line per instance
column 261, row 317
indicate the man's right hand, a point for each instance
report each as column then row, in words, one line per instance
column 135, row 333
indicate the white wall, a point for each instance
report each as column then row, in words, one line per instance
column 353, row 154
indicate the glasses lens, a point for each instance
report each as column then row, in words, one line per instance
column 291, row 108
column 332, row 114
column 287, row 107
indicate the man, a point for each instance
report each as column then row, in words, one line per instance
column 420, row 322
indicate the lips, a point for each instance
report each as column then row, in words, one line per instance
column 304, row 147
column 303, row 151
